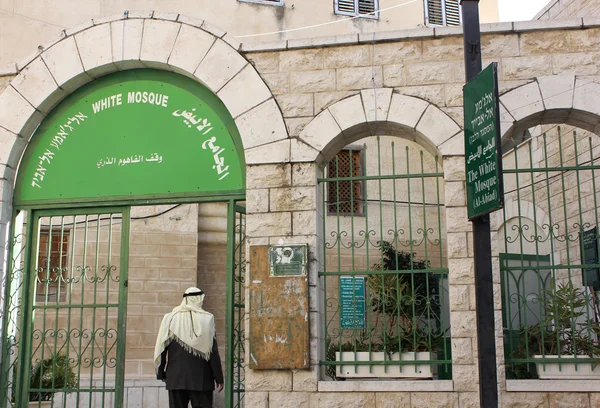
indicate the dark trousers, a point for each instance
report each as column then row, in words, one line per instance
column 199, row 399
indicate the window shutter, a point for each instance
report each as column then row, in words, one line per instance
column 366, row 7
column 452, row 12
column 346, row 6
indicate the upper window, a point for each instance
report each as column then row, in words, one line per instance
column 358, row 8
column 271, row 2
column 345, row 196
column 442, row 12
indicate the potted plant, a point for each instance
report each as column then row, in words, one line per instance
column 48, row 376
column 406, row 310
column 565, row 333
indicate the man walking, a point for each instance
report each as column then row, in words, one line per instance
column 187, row 346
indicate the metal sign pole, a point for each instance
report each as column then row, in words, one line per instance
column 488, row 381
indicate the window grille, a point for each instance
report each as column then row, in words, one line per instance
column 52, row 263
column 271, row 2
column 345, row 196
column 442, row 13
column 357, row 8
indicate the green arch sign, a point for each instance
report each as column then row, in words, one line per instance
column 136, row 134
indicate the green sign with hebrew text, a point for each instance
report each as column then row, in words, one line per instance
column 133, row 134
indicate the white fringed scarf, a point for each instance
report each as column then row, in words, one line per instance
column 189, row 325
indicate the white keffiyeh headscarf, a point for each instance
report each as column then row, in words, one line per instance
column 189, row 325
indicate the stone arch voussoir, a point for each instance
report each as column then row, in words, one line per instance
column 549, row 100
column 138, row 40
column 380, row 110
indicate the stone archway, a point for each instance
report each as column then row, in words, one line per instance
column 551, row 99
column 154, row 40
column 382, row 111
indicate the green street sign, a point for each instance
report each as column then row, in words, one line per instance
column 134, row 134
column 483, row 157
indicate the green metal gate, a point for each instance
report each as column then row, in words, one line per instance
column 66, row 308
column 236, row 272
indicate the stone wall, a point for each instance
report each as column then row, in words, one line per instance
column 565, row 9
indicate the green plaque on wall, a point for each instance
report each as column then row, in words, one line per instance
column 140, row 133
column 483, row 156
column 288, row 260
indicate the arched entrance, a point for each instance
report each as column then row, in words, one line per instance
column 132, row 138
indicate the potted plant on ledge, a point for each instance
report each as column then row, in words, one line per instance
column 406, row 327
column 565, row 338
column 49, row 376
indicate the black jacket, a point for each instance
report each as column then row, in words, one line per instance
column 185, row 371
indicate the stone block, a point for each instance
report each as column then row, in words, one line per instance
column 594, row 400
column 296, row 125
column 129, row 50
column 220, row 65
column 277, row 45
column 257, row 200
column 523, row 101
column 16, row 114
column 268, row 380
column 587, row 96
column 443, row 49
column 457, row 220
column 434, row 400
column 190, row 38
column 306, row 380
column 468, row 400
column 264, row 62
column 343, row 57
column 465, row 377
column 292, row 199
column 304, row 174
column 95, row 50
column 261, row 125
column 459, row 297
column 463, row 324
column 323, row 41
column 294, row 105
column 7, row 141
column 455, row 145
column 431, row 93
column 461, row 271
column 289, row 399
column 575, row 64
column 324, row 100
column 436, row 126
column 342, row 400
column 456, row 243
column 376, row 103
column 245, row 91
column 583, row 40
column 320, row 131
column 427, row 73
column 278, row 83
column 539, row 43
column 462, row 352
column 302, row 152
column 392, row 399
column 526, row 67
column 406, row 110
column 393, row 75
column 256, row 399
column 268, row 175
column 276, row 152
column 304, row 222
column 301, row 60
column 348, row 112
column 216, row 31
column 506, row 45
column 524, row 400
column 312, row 81
column 37, row 85
column 453, row 95
column 65, row 65
column 191, row 21
column 359, row 78
column 397, row 52
column 569, row 400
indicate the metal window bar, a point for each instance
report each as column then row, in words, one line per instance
column 384, row 273
column 549, row 282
